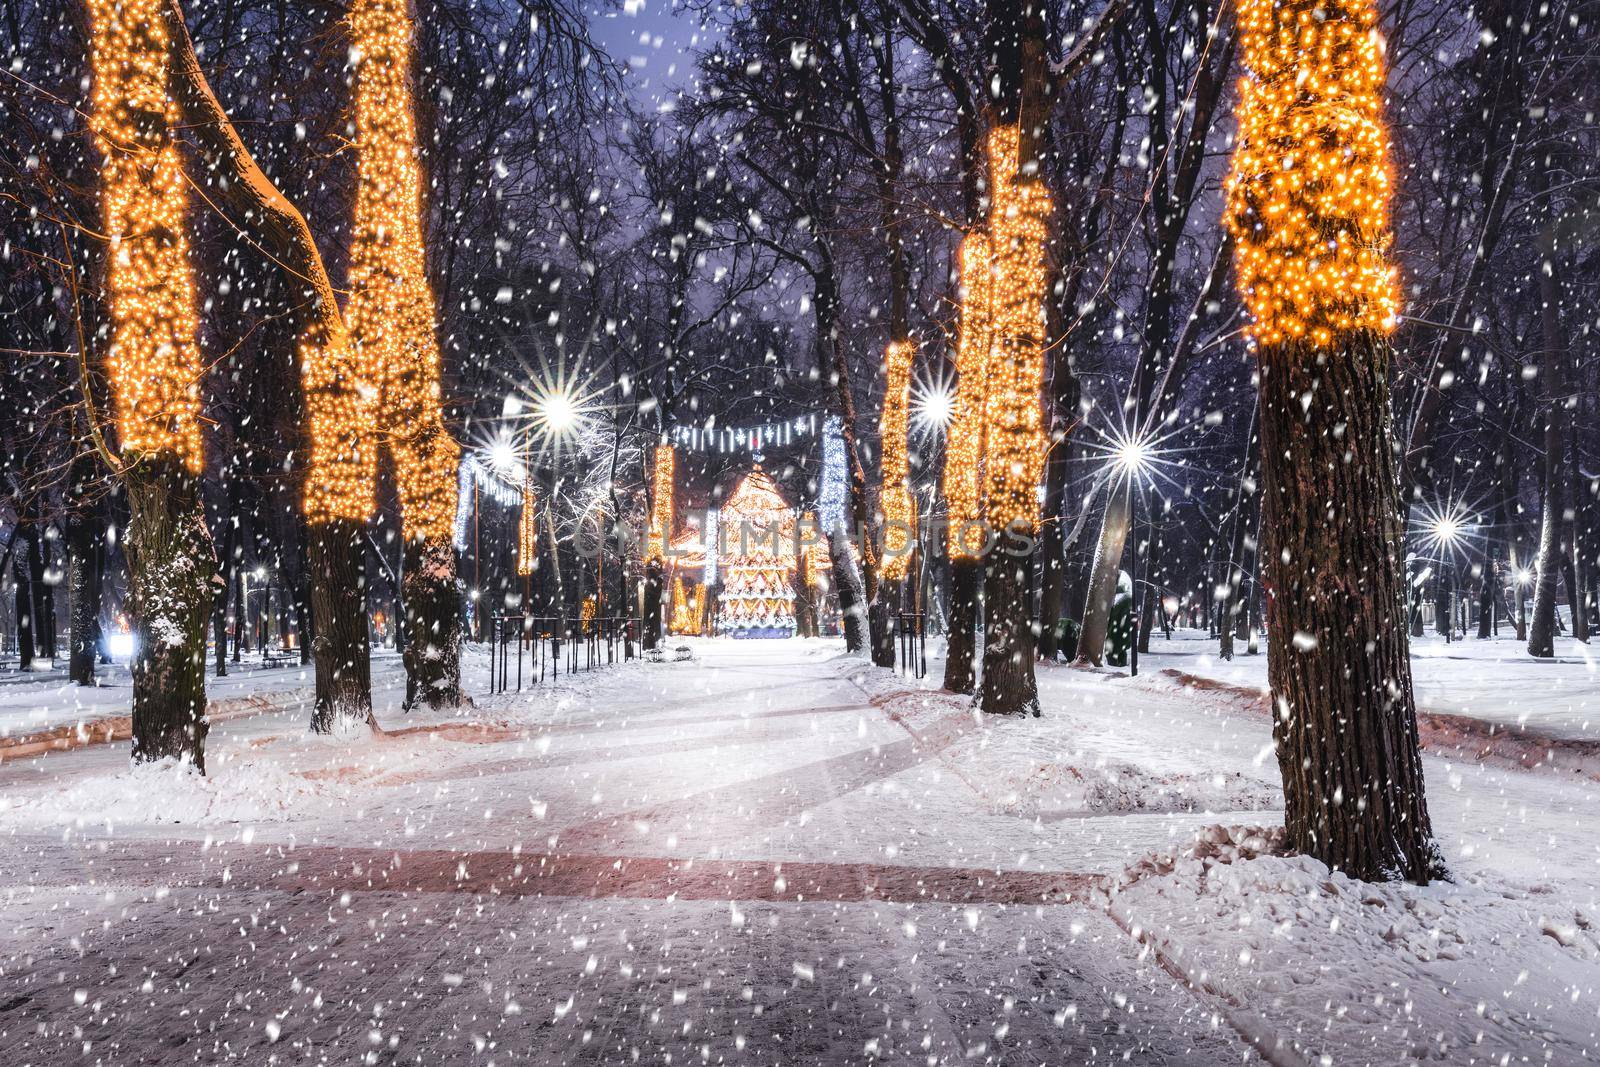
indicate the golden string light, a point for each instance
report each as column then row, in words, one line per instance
column 965, row 440
column 342, row 480
column 1019, row 229
column 153, row 358
column 391, row 312
column 661, row 515
column 527, row 529
column 899, row 510
column 1309, row 191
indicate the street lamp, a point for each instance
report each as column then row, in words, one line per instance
column 1131, row 457
column 1523, row 578
column 1447, row 529
column 933, row 406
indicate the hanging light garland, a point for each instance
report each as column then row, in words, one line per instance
column 1309, row 190
column 661, row 514
column 899, row 510
column 965, row 440
column 714, row 438
column 1019, row 227
column 391, row 312
column 153, row 357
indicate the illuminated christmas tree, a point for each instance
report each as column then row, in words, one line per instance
column 758, row 535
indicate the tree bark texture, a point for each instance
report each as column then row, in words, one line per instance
column 1338, row 659
column 965, row 574
column 1103, row 574
column 22, row 585
column 653, row 580
column 1009, row 685
column 341, row 647
column 847, row 584
column 433, row 624
column 170, row 569
column 85, row 529
column 44, row 596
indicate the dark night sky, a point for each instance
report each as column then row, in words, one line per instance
column 653, row 39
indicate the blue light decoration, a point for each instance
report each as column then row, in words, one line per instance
column 712, row 538
column 477, row 471
column 835, row 480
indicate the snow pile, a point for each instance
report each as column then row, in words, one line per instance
column 166, row 791
column 1075, row 785
column 1339, row 971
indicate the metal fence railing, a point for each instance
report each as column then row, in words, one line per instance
column 529, row 649
column 911, row 634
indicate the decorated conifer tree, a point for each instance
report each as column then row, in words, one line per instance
column 757, row 561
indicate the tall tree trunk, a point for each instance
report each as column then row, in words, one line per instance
column 341, row 647
column 848, row 585
column 227, row 566
column 1244, row 508
column 328, row 373
column 854, row 603
column 1553, row 526
column 21, row 576
column 1338, row 660
column 1009, row 684
column 170, row 569
column 1052, row 544
column 965, row 575
column 433, row 624
column 1103, row 573
column 85, row 529
column 653, row 579
column 44, row 594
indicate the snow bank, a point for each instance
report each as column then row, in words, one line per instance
column 246, row 790
column 1039, row 768
column 1338, row 971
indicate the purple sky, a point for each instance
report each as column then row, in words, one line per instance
column 653, row 38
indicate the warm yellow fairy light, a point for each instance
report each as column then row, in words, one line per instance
column 153, row 358
column 341, row 482
column 391, row 313
column 661, row 503
column 1308, row 196
column 527, row 529
column 1019, row 229
column 899, row 510
column 965, row 440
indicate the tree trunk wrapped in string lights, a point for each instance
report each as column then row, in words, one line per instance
column 391, row 320
column 657, row 538
column 964, row 447
column 155, row 367
column 527, row 528
column 894, row 498
column 1015, row 446
column 338, row 493
column 338, row 503
column 1308, row 200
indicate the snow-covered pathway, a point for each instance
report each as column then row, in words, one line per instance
column 736, row 860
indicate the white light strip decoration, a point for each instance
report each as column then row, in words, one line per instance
column 474, row 470
column 714, row 438
column 832, row 498
column 712, row 539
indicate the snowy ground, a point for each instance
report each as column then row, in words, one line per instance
column 774, row 854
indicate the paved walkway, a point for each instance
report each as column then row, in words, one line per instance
column 732, row 861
